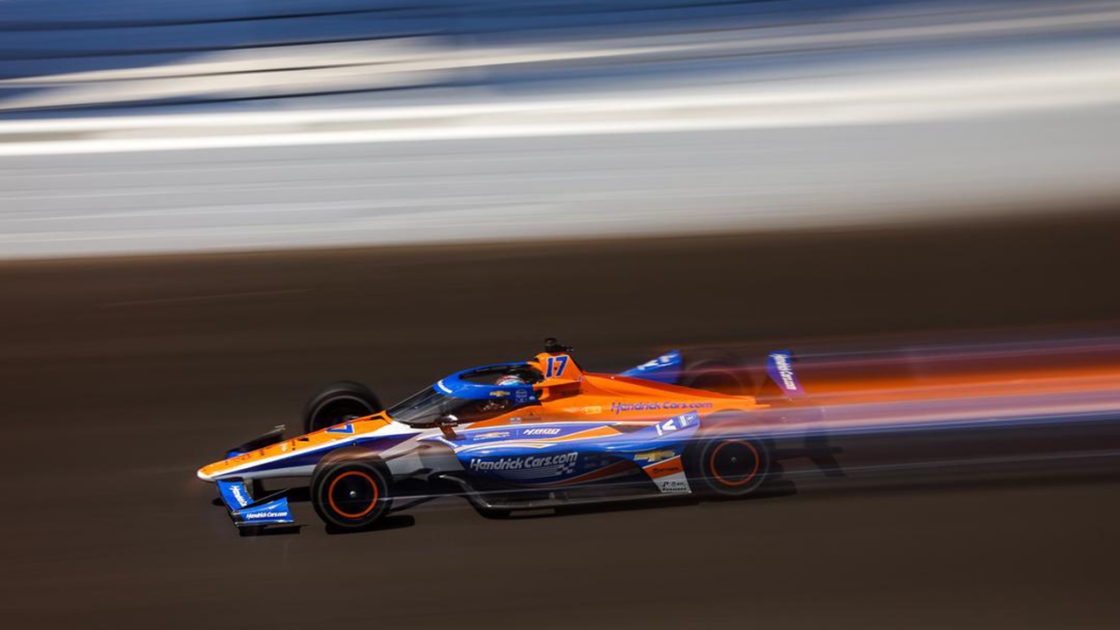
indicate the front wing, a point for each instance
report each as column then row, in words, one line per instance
column 247, row 512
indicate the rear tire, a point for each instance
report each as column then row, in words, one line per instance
column 351, row 494
column 731, row 466
column 337, row 403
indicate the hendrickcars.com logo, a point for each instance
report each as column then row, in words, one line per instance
column 256, row 515
column 785, row 371
column 522, row 463
column 670, row 405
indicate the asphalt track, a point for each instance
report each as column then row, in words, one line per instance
column 121, row 377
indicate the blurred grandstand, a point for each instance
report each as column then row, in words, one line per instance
column 73, row 55
column 610, row 118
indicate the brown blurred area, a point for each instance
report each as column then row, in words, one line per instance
column 122, row 376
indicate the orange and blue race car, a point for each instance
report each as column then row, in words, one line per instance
column 525, row 435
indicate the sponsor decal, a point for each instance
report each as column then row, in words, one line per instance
column 492, row 435
column 667, row 467
column 563, row 463
column 674, row 486
column 544, row 431
column 618, row 408
column 258, row 515
column 345, row 428
column 674, row 424
column 277, row 510
column 653, row 456
column 499, row 393
column 241, row 499
column 785, row 370
column 595, row 409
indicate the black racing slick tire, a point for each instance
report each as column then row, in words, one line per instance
column 351, row 494
column 730, row 466
column 337, row 403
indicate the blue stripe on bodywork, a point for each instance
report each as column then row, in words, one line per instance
column 528, row 432
column 519, row 459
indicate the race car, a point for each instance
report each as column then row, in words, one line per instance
column 523, row 435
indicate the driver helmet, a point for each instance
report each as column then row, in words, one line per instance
column 509, row 380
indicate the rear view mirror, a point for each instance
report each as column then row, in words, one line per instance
column 446, row 424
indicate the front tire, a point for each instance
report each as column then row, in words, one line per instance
column 351, row 494
column 337, row 403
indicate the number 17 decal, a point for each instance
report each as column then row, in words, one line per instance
column 555, row 366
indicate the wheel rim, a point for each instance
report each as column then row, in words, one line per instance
column 339, row 411
column 735, row 463
column 353, row 494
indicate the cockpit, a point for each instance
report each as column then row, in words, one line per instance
column 471, row 395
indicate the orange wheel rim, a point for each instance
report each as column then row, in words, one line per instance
column 373, row 501
column 744, row 480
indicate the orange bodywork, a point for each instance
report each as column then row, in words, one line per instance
column 361, row 426
column 577, row 396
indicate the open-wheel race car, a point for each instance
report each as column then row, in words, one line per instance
column 524, row 435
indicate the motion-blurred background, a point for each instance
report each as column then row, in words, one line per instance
column 208, row 209
column 157, row 126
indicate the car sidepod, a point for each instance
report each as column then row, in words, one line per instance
column 575, row 453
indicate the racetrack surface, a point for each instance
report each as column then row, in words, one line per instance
column 122, row 377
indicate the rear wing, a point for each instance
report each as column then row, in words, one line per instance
column 664, row 369
column 669, row 367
